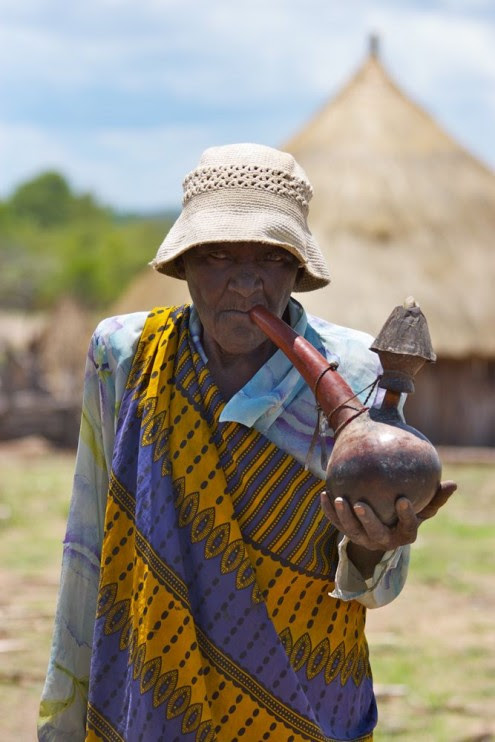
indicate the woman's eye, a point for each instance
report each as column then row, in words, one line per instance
column 277, row 257
column 217, row 255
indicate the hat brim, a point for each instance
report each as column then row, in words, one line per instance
column 233, row 216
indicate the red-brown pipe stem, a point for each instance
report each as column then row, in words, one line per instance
column 331, row 391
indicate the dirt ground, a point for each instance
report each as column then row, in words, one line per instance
column 425, row 616
column 26, row 625
column 438, row 624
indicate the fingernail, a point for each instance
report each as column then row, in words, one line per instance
column 338, row 503
column 358, row 509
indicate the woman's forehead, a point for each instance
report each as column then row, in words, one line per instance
column 246, row 249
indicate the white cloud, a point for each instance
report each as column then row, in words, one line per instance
column 24, row 150
column 438, row 47
column 122, row 95
column 207, row 49
column 134, row 168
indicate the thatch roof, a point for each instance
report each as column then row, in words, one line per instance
column 151, row 289
column 63, row 348
column 18, row 330
column 400, row 209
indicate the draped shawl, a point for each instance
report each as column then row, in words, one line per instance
column 214, row 620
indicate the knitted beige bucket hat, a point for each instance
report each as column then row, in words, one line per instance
column 246, row 193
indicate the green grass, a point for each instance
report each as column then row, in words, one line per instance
column 431, row 649
column 459, row 541
column 34, row 498
column 34, row 501
column 434, row 645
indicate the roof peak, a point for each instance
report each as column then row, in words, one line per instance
column 374, row 45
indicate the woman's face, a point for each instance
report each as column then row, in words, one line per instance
column 226, row 280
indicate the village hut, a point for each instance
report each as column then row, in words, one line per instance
column 19, row 338
column 400, row 209
column 42, row 362
column 151, row 289
column 63, row 349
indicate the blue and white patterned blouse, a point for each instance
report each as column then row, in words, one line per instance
column 276, row 402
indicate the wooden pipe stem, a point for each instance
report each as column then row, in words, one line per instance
column 333, row 394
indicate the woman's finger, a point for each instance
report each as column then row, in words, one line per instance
column 444, row 491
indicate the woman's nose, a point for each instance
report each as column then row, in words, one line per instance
column 245, row 281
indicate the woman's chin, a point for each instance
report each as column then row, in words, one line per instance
column 242, row 341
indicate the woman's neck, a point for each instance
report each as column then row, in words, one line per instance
column 233, row 371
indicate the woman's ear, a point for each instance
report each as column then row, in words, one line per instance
column 179, row 267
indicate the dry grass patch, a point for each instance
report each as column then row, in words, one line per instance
column 432, row 649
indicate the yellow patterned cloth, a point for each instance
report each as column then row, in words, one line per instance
column 214, row 620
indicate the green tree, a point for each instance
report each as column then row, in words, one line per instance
column 46, row 200
column 54, row 242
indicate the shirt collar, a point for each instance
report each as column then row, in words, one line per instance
column 267, row 394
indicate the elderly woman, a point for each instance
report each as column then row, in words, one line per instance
column 205, row 594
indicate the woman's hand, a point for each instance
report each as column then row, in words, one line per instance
column 367, row 532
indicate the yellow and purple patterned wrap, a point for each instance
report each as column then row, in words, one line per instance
column 214, row 620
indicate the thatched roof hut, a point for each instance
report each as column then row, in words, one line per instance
column 400, row 208
column 151, row 289
column 42, row 362
column 63, row 348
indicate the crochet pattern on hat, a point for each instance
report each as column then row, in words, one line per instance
column 277, row 182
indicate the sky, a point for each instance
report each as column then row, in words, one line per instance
column 122, row 96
